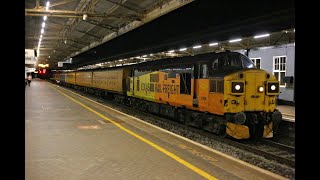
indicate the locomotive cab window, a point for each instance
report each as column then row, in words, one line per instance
column 204, row 71
column 232, row 61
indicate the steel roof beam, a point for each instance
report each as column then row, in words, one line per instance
column 60, row 3
column 97, row 23
column 86, row 33
column 76, row 14
column 78, row 42
column 127, row 7
column 51, row 48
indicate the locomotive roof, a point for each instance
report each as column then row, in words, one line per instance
column 155, row 65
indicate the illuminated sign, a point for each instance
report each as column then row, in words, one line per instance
column 43, row 65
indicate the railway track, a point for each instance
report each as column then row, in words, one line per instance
column 270, row 150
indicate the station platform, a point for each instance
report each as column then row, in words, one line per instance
column 68, row 136
column 288, row 112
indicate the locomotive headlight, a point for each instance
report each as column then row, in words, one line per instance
column 237, row 87
column 260, row 89
column 272, row 88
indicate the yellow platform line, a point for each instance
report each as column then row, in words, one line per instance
column 173, row 156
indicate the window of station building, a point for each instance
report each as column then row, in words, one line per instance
column 279, row 68
column 256, row 62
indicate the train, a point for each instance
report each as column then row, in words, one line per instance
column 220, row 92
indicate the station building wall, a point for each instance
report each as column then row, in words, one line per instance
column 279, row 60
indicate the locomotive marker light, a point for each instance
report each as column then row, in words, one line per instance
column 237, row 87
column 260, row 89
column 273, row 87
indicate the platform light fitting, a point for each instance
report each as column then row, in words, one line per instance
column 171, row 51
column 235, row 40
column 42, row 31
column 47, row 5
column 261, row 36
column 196, row 47
column 213, row 44
column 43, row 24
column 85, row 17
column 44, row 18
column 182, row 49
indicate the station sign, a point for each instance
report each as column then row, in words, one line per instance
column 43, row 65
column 30, row 57
column 30, row 70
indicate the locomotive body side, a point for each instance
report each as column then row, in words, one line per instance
column 220, row 92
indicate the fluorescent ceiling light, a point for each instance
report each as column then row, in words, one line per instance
column 196, row 47
column 44, row 18
column 42, row 31
column 43, row 24
column 47, row 5
column 85, row 17
column 262, row 35
column 171, row 51
column 182, row 49
column 213, row 44
column 235, row 40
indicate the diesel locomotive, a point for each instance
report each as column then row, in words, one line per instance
column 220, row 92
